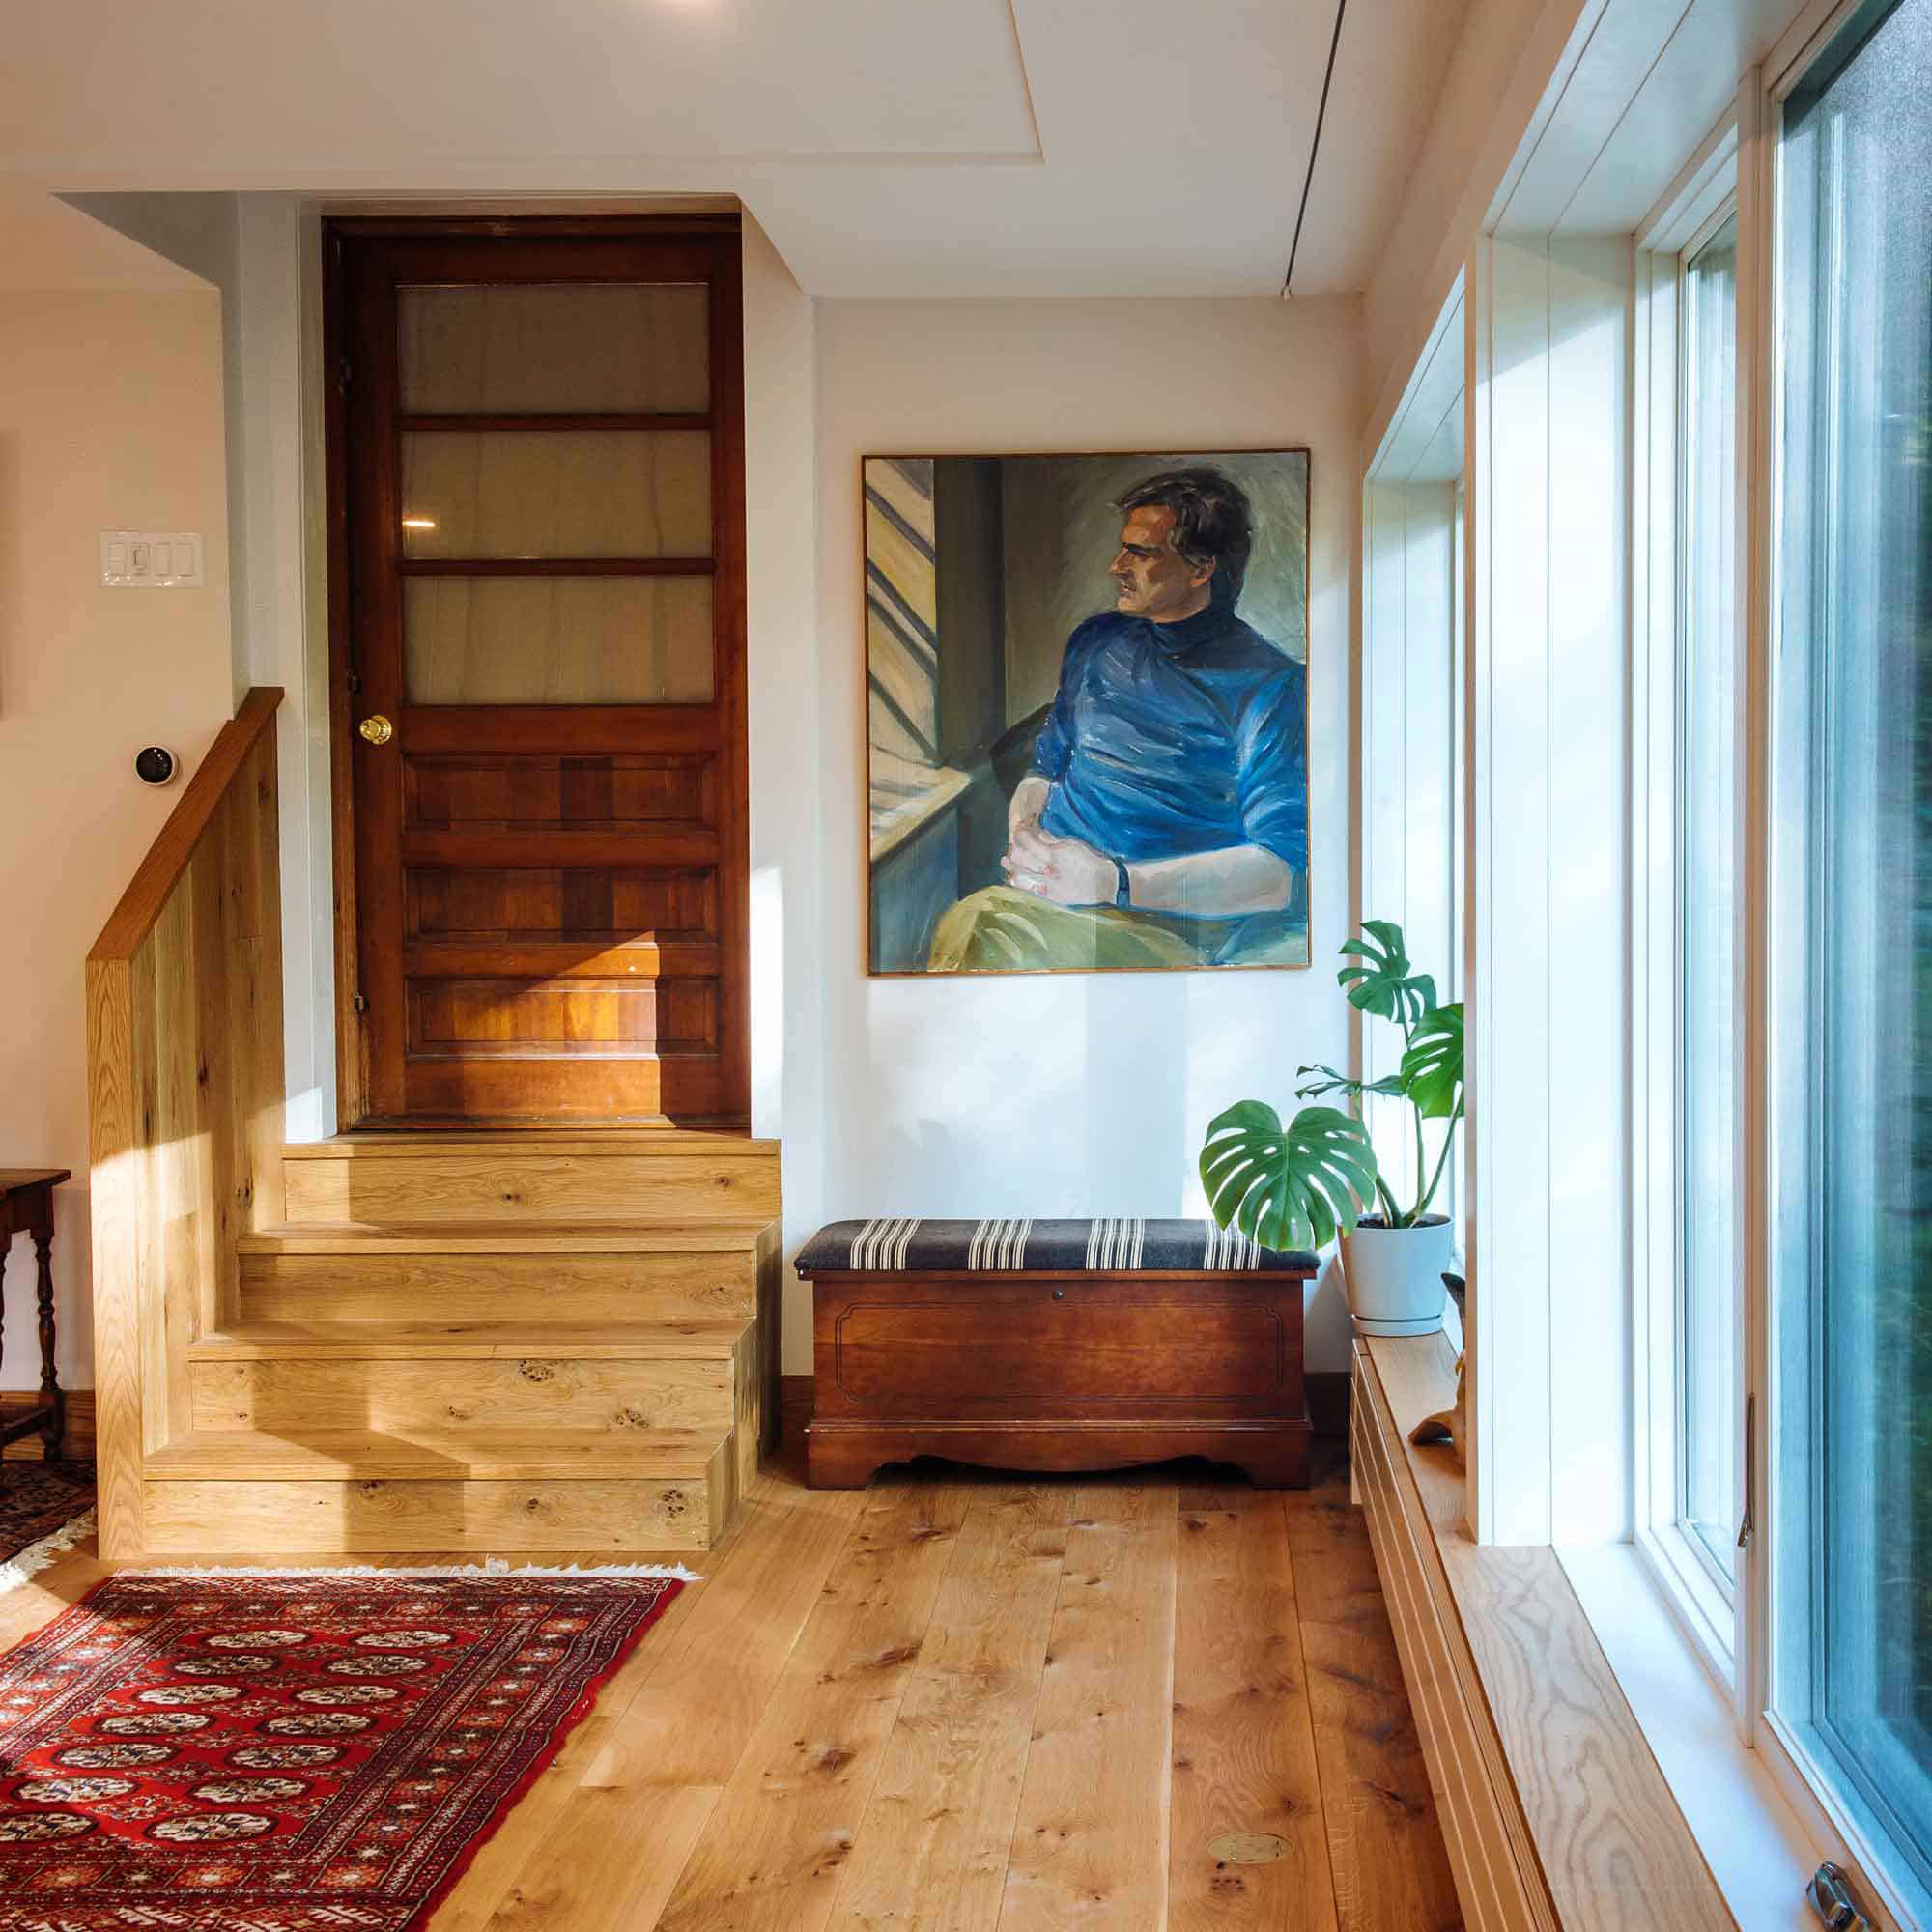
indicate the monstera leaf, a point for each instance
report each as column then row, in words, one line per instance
column 1382, row 983
column 1431, row 1070
column 1328, row 1080
column 1296, row 1186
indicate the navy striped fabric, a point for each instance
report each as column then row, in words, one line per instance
column 917, row 1246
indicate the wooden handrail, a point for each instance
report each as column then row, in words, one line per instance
column 186, row 1092
column 158, row 873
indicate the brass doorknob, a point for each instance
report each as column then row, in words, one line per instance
column 378, row 731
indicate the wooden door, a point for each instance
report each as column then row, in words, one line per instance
column 537, row 535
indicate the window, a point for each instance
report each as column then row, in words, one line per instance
column 1706, row 884
column 1850, row 900
column 1686, row 790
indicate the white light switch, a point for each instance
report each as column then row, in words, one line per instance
column 151, row 559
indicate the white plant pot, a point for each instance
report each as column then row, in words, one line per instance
column 1395, row 1275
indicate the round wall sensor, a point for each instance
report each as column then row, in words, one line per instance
column 154, row 765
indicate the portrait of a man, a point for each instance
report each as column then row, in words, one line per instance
column 1089, row 716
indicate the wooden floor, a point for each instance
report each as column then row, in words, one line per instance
column 951, row 1703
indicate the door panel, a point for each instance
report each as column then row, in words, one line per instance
column 598, row 905
column 540, row 504
column 619, row 793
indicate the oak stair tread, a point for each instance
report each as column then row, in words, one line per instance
column 726, row 1236
column 541, row 1143
column 457, row 1456
column 679, row 1339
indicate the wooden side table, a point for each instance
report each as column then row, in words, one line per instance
column 27, row 1208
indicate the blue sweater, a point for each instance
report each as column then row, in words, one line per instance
column 1170, row 739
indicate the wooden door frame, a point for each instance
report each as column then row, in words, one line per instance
column 727, row 348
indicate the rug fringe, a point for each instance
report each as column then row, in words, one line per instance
column 26, row 1564
column 495, row 1566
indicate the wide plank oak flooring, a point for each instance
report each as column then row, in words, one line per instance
column 957, row 1702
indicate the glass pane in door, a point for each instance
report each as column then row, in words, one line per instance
column 545, row 494
column 554, row 348
column 1852, row 917
column 557, row 640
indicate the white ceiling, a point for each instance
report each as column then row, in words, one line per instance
column 889, row 147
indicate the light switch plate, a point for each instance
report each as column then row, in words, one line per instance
column 151, row 559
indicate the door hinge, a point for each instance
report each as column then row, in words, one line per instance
column 354, row 684
column 1747, row 1528
column 357, row 1001
column 345, row 373
column 1835, row 1901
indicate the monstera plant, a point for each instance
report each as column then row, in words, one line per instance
column 1303, row 1184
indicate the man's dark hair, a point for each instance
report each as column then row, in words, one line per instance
column 1214, row 522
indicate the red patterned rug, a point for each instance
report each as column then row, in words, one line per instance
column 288, row 1752
column 44, row 1509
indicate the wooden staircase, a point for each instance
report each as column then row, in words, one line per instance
column 519, row 1340
column 525, row 1341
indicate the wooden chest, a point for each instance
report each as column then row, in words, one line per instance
column 925, row 1349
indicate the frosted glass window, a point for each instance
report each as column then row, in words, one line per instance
column 557, row 640
column 528, row 493
column 554, row 348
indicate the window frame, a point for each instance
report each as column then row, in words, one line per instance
column 1737, row 164
column 1794, row 1772
column 1709, row 1612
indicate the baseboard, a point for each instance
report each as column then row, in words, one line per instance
column 1328, row 1391
column 78, row 1443
column 794, row 1405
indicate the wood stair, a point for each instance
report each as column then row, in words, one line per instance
column 562, row 1341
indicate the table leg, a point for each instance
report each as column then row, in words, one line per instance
column 51, row 1395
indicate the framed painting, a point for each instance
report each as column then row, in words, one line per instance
column 1086, row 709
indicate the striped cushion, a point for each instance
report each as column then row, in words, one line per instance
column 917, row 1246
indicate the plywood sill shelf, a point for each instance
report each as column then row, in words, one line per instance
column 699, row 1339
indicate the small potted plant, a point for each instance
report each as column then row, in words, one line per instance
column 1303, row 1184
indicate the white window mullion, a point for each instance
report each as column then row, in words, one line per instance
column 1756, row 922
column 1686, row 798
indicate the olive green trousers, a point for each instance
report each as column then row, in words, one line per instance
column 1002, row 929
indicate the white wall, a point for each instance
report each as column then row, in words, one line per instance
column 1559, row 127
column 1549, row 1039
column 786, row 705
column 110, row 417
column 269, row 278
column 261, row 252
column 1088, row 1094
column 1073, row 1095
column 1410, row 773
column 275, row 395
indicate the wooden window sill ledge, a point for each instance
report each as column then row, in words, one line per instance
column 1555, row 1797
column 897, row 822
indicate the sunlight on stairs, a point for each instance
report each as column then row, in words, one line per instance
column 563, row 1342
